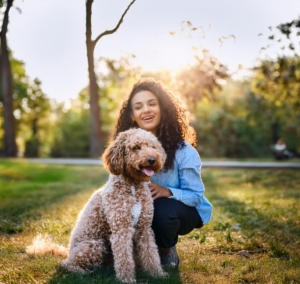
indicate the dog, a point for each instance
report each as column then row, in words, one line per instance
column 117, row 218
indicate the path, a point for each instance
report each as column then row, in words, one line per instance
column 205, row 164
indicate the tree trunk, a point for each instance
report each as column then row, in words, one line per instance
column 10, row 146
column 275, row 132
column 95, row 132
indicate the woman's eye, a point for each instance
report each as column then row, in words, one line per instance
column 136, row 148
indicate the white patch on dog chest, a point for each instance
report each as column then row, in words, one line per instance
column 136, row 212
column 132, row 190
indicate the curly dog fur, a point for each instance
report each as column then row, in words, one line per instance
column 117, row 218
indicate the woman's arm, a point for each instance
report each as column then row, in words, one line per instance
column 191, row 188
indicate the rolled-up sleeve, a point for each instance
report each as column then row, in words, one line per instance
column 191, row 188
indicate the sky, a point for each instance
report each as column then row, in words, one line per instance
column 49, row 35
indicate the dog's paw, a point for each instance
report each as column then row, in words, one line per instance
column 71, row 267
column 128, row 280
column 159, row 273
column 162, row 274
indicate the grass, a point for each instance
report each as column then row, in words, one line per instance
column 253, row 237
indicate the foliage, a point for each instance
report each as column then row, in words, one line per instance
column 246, row 124
column 286, row 28
column 31, row 111
column 71, row 132
column 233, row 126
column 116, row 82
column 277, row 82
column 256, row 211
column 232, row 119
column 72, row 124
column 236, row 119
column 201, row 80
column 266, row 108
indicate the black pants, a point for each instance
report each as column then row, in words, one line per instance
column 172, row 218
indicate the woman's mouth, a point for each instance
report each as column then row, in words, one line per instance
column 148, row 118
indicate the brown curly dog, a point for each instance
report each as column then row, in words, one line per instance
column 117, row 218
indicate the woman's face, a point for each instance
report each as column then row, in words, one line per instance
column 146, row 111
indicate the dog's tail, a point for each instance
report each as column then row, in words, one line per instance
column 44, row 245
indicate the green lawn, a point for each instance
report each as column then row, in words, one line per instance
column 255, row 211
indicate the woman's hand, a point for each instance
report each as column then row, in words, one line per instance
column 158, row 191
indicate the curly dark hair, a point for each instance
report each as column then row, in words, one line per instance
column 174, row 126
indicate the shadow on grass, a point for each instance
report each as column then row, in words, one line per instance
column 258, row 212
column 269, row 213
column 281, row 236
column 23, row 194
column 39, row 196
column 254, row 219
column 107, row 276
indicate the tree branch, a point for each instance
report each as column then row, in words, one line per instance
column 5, row 19
column 108, row 32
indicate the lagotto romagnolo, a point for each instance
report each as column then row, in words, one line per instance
column 117, row 218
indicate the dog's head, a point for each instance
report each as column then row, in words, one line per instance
column 136, row 153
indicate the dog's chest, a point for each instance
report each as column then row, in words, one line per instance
column 135, row 213
column 136, row 209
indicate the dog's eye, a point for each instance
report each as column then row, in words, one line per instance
column 136, row 148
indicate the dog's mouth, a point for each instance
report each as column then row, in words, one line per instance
column 148, row 171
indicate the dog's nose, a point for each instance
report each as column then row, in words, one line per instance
column 151, row 161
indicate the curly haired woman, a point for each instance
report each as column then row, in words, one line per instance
column 177, row 191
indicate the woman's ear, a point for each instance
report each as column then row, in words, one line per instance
column 113, row 157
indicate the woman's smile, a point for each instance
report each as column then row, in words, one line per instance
column 148, row 118
column 146, row 111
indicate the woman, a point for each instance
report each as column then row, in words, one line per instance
column 177, row 191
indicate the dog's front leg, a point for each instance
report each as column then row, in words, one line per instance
column 148, row 253
column 144, row 236
column 122, row 248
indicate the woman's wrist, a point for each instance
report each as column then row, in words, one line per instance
column 170, row 192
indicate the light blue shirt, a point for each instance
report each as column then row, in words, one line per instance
column 184, row 180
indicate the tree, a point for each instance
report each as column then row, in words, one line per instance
column 71, row 125
column 37, row 111
column 202, row 79
column 287, row 29
column 10, row 146
column 115, row 80
column 95, row 133
column 31, row 110
column 278, row 83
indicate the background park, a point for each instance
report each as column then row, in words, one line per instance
column 65, row 68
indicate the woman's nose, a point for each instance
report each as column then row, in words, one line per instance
column 146, row 108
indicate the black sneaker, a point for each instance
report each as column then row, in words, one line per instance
column 171, row 258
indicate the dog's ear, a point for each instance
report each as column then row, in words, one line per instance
column 113, row 156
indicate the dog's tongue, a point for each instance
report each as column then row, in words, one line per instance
column 148, row 171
